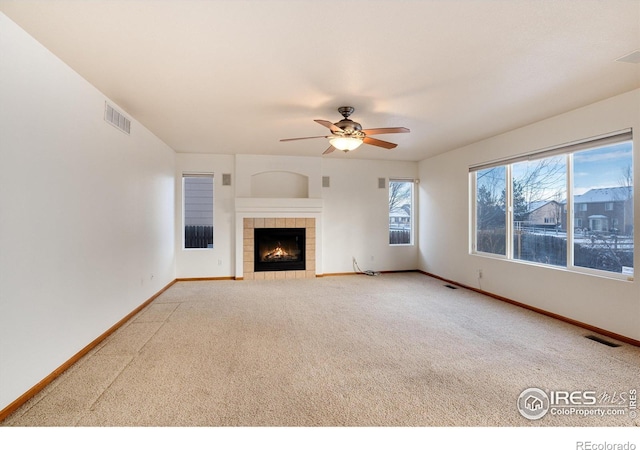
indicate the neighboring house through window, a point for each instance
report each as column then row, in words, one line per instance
column 524, row 208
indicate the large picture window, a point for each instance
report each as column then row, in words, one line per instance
column 198, row 210
column 570, row 206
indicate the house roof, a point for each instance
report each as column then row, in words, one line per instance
column 235, row 77
column 399, row 212
column 601, row 195
column 539, row 204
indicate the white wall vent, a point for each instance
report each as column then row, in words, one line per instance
column 633, row 57
column 326, row 182
column 116, row 118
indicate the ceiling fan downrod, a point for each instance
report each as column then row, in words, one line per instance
column 346, row 111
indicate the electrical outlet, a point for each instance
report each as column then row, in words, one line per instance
column 479, row 274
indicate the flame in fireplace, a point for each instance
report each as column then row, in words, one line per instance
column 277, row 252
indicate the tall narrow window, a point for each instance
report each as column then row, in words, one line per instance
column 198, row 210
column 603, row 236
column 401, row 212
column 491, row 213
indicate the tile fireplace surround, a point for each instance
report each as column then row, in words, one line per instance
column 249, row 224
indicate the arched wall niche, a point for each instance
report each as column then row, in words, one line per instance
column 279, row 184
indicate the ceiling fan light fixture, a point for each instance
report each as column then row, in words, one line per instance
column 345, row 144
column 347, row 135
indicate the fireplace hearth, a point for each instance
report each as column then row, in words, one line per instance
column 278, row 249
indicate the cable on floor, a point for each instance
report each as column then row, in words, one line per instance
column 357, row 269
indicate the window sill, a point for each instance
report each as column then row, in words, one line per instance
column 572, row 269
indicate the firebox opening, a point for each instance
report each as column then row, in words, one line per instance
column 279, row 249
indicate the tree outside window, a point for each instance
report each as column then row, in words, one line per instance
column 491, row 210
column 586, row 224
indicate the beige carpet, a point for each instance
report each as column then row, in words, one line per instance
column 390, row 350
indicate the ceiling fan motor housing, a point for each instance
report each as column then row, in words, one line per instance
column 349, row 127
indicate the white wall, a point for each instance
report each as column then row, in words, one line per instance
column 610, row 304
column 356, row 216
column 86, row 214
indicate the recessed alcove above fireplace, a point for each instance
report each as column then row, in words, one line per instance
column 279, row 184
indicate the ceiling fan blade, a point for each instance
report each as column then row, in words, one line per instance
column 298, row 139
column 329, row 125
column 379, row 143
column 386, row 130
column 329, row 150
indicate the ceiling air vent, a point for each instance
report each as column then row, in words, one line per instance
column 633, row 57
column 116, row 118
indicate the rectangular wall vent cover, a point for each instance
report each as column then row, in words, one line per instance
column 382, row 183
column 326, row 182
column 226, row 179
column 117, row 119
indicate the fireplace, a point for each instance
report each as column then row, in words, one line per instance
column 246, row 239
column 277, row 249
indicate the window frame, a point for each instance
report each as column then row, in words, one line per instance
column 568, row 150
column 412, row 216
column 183, row 218
column 507, row 217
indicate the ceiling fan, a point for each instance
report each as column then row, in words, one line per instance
column 348, row 135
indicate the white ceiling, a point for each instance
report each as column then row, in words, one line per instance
column 218, row 76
